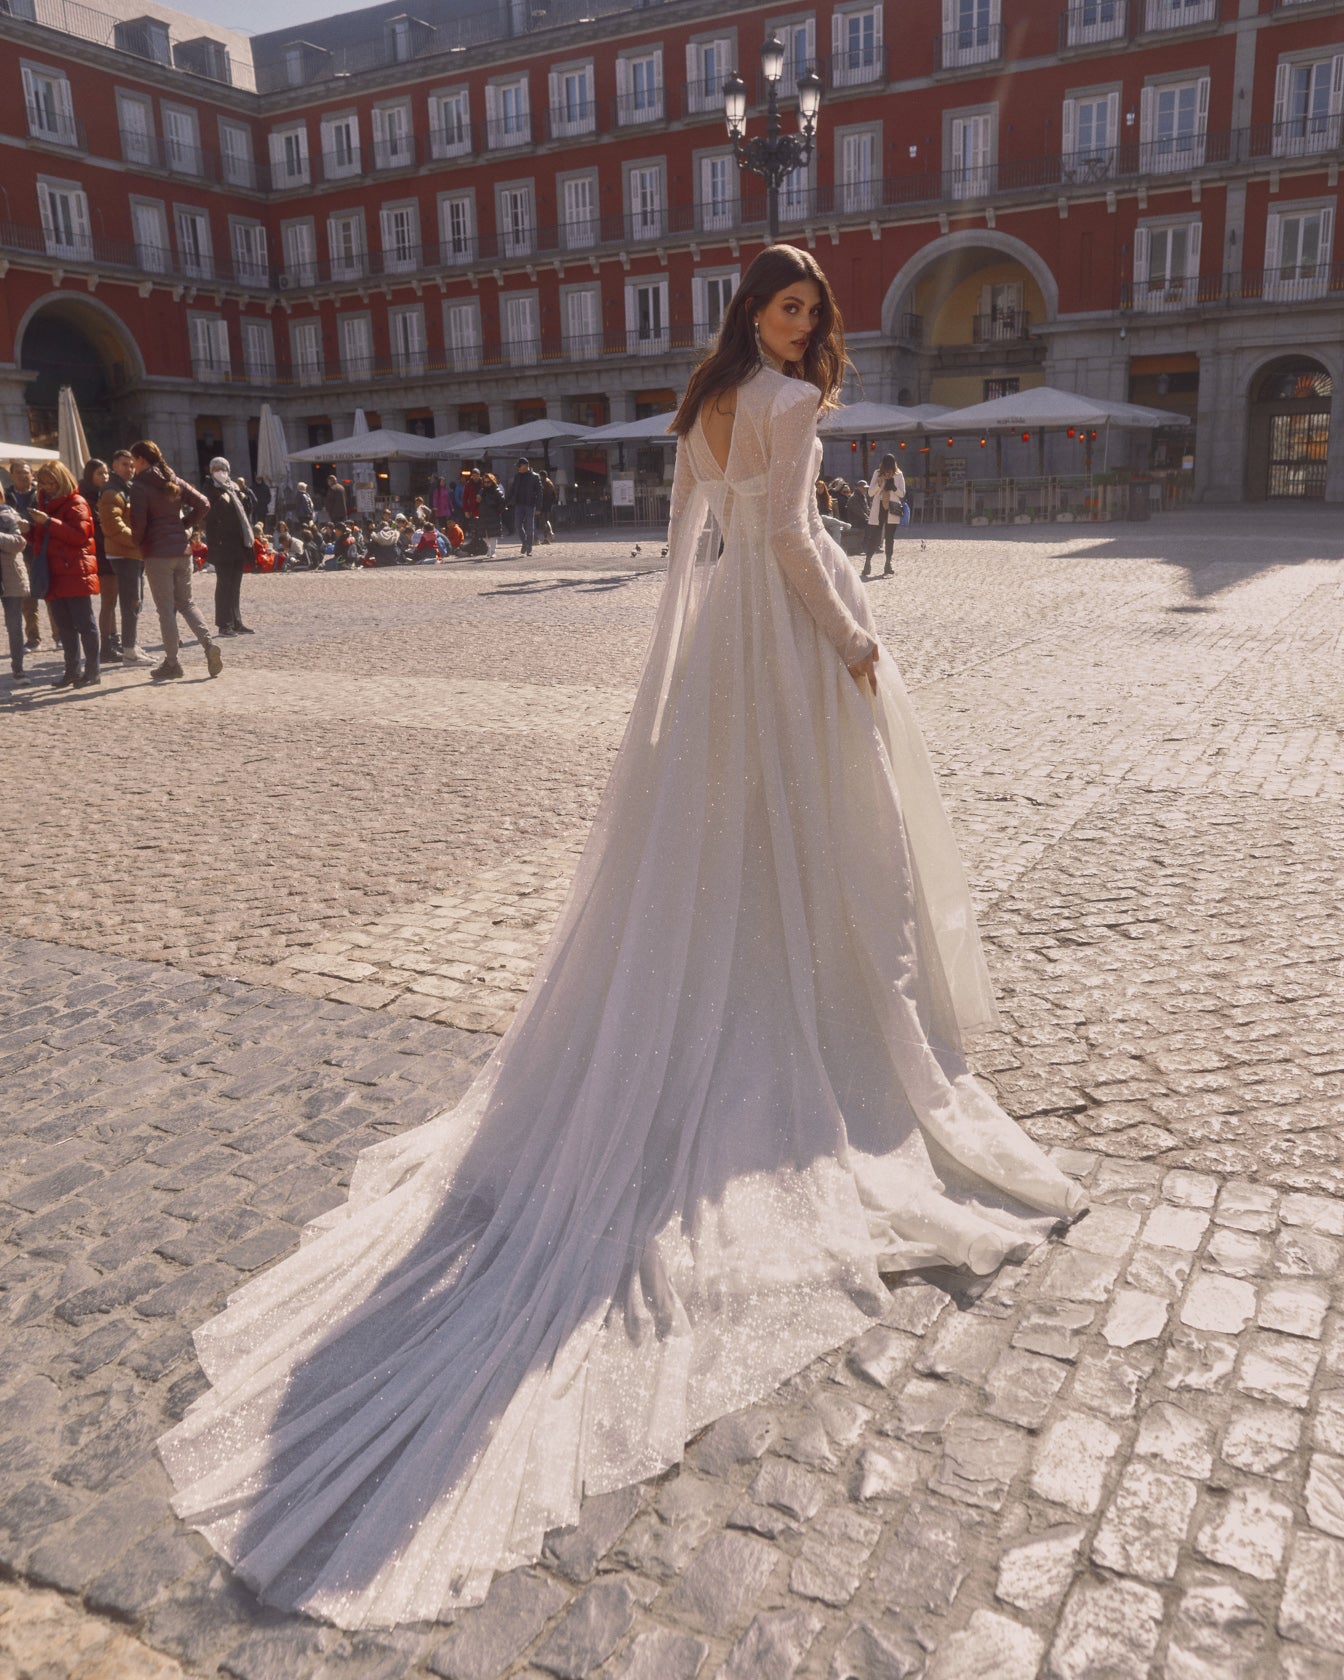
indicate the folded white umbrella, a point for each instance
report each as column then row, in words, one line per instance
column 272, row 449
column 72, row 446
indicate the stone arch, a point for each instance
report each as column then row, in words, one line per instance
column 968, row 239
column 1290, row 397
column 67, row 338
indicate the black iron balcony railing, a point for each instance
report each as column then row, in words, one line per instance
column 562, row 122
column 1297, row 283
column 513, row 130
column 55, row 128
column 1001, row 326
column 1092, row 23
column 963, row 49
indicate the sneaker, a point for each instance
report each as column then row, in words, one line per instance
column 214, row 659
column 136, row 656
column 166, row 672
column 20, row 681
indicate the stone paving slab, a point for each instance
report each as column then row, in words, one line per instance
column 1123, row 1459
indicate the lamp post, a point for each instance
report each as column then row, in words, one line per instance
column 774, row 155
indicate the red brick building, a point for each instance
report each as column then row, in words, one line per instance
column 459, row 219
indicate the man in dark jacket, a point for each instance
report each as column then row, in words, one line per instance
column 337, row 510
column 228, row 538
column 526, row 499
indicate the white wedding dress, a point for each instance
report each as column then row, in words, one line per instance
column 734, row 1096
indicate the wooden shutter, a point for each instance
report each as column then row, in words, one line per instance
column 1145, row 116
column 1141, row 244
column 1201, row 116
column 1194, row 238
column 1112, row 123
column 1281, row 79
column 1069, row 128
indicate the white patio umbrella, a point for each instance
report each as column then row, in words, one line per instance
column 652, row 429
column 381, row 445
column 867, row 419
column 272, row 449
column 1044, row 406
column 28, row 452
column 72, row 446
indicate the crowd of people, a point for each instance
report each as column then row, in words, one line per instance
column 133, row 520
column 866, row 517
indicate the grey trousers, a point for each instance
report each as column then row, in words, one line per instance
column 170, row 585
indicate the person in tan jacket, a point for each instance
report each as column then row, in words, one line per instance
column 123, row 553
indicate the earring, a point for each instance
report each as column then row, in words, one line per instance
column 756, row 328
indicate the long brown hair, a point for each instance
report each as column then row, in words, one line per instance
column 735, row 355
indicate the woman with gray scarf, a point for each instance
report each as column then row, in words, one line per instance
column 228, row 538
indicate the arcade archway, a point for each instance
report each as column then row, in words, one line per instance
column 1288, row 437
column 69, row 340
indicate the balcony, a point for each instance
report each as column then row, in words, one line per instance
column 562, row 122
column 1178, row 14
column 1093, row 23
column 504, row 132
column 630, row 109
column 453, row 141
column 1310, row 283
column 1001, row 326
column 397, row 152
column 54, row 128
column 855, row 67
column 962, row 49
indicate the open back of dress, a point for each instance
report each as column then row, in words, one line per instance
column 733, row 1097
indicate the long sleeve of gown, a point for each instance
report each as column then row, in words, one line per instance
column 792, row 491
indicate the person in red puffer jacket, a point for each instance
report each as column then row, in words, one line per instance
column 63, row 521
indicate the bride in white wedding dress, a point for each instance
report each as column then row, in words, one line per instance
column 734, row 1097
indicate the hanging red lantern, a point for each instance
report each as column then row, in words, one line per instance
column 1026, row 437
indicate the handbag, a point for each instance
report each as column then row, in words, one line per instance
column 39, row 567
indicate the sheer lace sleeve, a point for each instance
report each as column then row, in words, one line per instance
column 791, row 440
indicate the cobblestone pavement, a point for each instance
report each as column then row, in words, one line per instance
column 255, row 924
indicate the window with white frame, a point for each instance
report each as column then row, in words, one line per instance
column 450, row 123
column 250, row 264
column 181, row 140
column 356, row 339
column 573, row 110
column 258, row 351
column 401, row 237
column 1000, row 315
column 235, row 153
column 582, row 310
column 462, row 334
column 1308, row 99
column 1173, row 122
column 639, row 86
column 518, row 319
column 647, row 198
column 393, row 145
column 578, row 209
column 972, row 148
column 305, row 351
column 195, row 251
column 64, row 210
column 1166, row 264
column 798, row 192
column 708, row 66
column 798, row 37
column 646, row 318
column 972, row 32
column 514, row 219
column 856, row 46
column 295, row 68
column 860, row 152
column 1298, row 250
column 718, row 191
column 135, row 122
column 289, row 157
column 340, row 146
column 711, row 293
column 298, row 241
column 457, row 227
column 1091, row 134
column 209, row 346
column 508, row 118
column 1179, row 14
column 345, row 244
column 406, row 328
column 50, row 109
column 149, row 228
column 1090, row 21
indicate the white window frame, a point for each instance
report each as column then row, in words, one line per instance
column 251, row 260
column 298, row 244
column 858, row 168
column 640, row 94
column 50, row 119
column 63, row 207
column 401, row 255
column 1298, row 281
column 1172, row 154
column 711, row 291
column 458, row 242
column 1083, row 159
column 1320, row 131
column 650, row 338
column 718, row 212
column 406, row 331
column 976, row 38
column 305, row 349
column 1171, row 291
column 799, row 37
column 354, row 338
column 580, row 223
column 334, row 126
column 137, row 145
column 1093, row 21
column 568, row 116
column 211, row 359
column 181, row 139
column 238, row 163
column 704, row 85
column 973, row 152
column 257, row 333
column 154, row 255
column 516, row 218
column 450, row 138
column 1179, row 14
column 462, row 333
column 508, row 122
column 291, row 164
column 520, row 328
column 196, row 256
column 646, row 198
column 856, row 61
column 349, row 260
column 581, row 318
column 393, row 135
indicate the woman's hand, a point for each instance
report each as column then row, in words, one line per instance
column 866, row 671
column 36, row 516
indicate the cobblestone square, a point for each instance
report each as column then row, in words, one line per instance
column 253, row 925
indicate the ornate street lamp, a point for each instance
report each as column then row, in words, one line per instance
column 774, row 155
